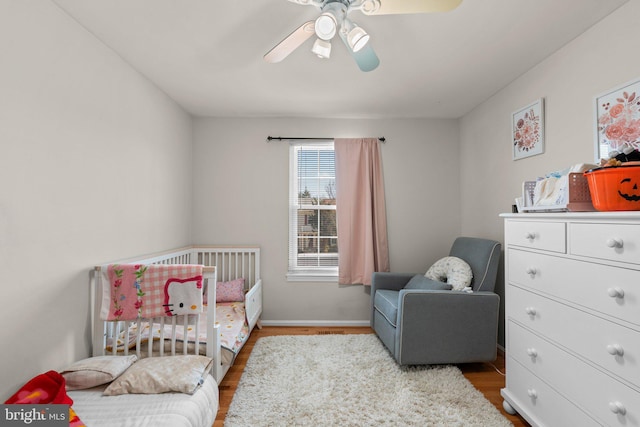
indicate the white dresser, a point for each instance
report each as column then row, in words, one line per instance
column 572, row 298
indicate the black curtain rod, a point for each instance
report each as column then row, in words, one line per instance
column 288, row 138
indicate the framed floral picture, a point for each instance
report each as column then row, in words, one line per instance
column 617, row 120
column 527, row 130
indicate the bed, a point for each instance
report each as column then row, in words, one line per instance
column 147, row 410
column 216, row 334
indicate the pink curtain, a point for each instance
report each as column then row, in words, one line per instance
column 360, row 211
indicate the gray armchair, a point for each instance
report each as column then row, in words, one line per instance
column 421, row 327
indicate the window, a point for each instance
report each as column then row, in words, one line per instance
column 313, row 235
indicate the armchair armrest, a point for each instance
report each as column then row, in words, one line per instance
column 447, row 326
column 386, row 280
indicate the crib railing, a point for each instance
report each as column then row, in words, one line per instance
column 120, row 340
column 231, row 262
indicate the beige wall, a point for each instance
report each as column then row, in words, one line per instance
column 249, row 179
column 600, row 59
column 94, row 166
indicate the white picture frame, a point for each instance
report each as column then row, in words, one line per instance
column 617, row 119
column 527, row 130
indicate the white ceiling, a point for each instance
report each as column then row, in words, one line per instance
column 207, row 54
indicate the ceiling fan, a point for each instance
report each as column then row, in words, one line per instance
column 334, row 20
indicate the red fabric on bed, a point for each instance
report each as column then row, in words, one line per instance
column 43, row 389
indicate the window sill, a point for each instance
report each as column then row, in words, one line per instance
column 312, row 276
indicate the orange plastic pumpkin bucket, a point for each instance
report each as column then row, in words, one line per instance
column 615, row 188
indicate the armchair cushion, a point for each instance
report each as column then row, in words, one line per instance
column 453, row 270
column 421, row 282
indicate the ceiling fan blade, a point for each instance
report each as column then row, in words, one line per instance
column 290, row 43
column 390, row 7
column 317, row 3
column 366, row 58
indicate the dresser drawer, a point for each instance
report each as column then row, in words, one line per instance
column 615, row 242
column 549, row 236
column 612, row 291
column 613, row 347
column 544, row 404
column 591, row 389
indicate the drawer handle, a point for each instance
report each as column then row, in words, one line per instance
column 532, row 393
column 531, row 235
column 617, row 408
column 530, row 311
column 531, row 271
column 532, row 352
column 615, row 242
column 615, row 292
column 615, row 350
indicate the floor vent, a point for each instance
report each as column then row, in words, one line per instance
column 330, row 332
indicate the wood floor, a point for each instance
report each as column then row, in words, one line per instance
column 482, row 375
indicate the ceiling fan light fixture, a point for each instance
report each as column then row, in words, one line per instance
column 326, row 25
column 322, row 48
column 357, row 38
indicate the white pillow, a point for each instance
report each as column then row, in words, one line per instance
column 181, row 374
column 451, row 270
column 94, row 371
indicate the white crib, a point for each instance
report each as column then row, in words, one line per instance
column 222, row 263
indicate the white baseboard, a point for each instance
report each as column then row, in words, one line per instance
column 317, row 323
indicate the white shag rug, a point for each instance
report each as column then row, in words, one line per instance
column 351, row 380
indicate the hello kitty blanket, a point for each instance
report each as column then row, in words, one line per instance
column 132, row 291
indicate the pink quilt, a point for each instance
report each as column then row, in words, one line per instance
column 234, row 328
column 137, row 291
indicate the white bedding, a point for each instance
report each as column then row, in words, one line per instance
column 148, row 410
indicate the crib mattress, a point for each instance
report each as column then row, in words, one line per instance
column 148, row 410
